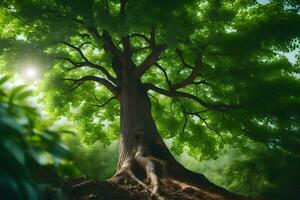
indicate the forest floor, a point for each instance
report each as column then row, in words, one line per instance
column 83, row 189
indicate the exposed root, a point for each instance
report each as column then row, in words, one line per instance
column 205, row 194
column 131, row 175
column 142, row 170
column 82, row 183
column 162, row 163
column 149, row 167
column 147, row 164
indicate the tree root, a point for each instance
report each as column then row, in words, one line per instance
column 152, row 180
column 126, row 169
column 147, row 164
column 185, row 186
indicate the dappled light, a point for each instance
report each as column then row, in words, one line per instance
column 30, row 73
column 147, row 99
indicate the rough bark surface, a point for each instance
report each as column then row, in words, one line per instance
column 145, row 163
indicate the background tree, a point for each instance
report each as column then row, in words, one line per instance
column 208, row 72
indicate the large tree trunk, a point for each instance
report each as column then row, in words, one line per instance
column 143, row 154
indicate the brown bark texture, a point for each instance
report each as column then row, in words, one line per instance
column 144, row 157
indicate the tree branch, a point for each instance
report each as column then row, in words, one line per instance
column 180, row 55
column 94, row 32
column 150, row 60
column 140, row 49
column 184, row 115
column 193, row 75
column 103, row 104
column 78, row 49
column 164, row 72
column 199, row 112
column 122, row 7
column 78, row 82
column 171, row 93
column 152, row 36
column 202, row 82
column 108, row 43
column 151, row 95
column 126, row 46
column 84, row 35
column 109, row 46
column 56, row 13
column 206, row 124
column 67, row 59
column 106, row 7
column 141, row 36
column 86, row 62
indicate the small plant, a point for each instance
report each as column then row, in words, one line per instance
column 29, row 151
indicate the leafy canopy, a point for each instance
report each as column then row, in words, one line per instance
column 245, row 87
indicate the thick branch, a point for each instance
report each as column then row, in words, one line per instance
column 78, row 82
column 127, row 46
column 150, row 60
column 94, row 32
column 87, row 63
column 122, row 7
column 110, row 46
column 193, row 75
column 219, row 107
column 152, row 36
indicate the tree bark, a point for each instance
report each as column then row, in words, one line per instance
column 138, row 130
column 143, row 155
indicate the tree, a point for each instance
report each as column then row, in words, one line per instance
column 212, row 68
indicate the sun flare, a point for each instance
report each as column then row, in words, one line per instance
column 30, row 73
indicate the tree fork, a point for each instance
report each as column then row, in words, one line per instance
column 144, row 157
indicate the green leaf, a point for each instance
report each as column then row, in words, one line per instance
column 15, row 151
column 10, row 126
column 17, row 90
column 5, row 78
column 23, row 95
column 30, row 189
column 9, row 187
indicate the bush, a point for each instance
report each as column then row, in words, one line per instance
column 30, row 152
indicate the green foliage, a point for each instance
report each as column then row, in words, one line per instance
column 241, row 43
column 94, row 123
column 261, row 83
column 254, row 170
column 248, row 77
column 94, row 161
column 30, row 151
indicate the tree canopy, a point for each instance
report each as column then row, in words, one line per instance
column 215, row 70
